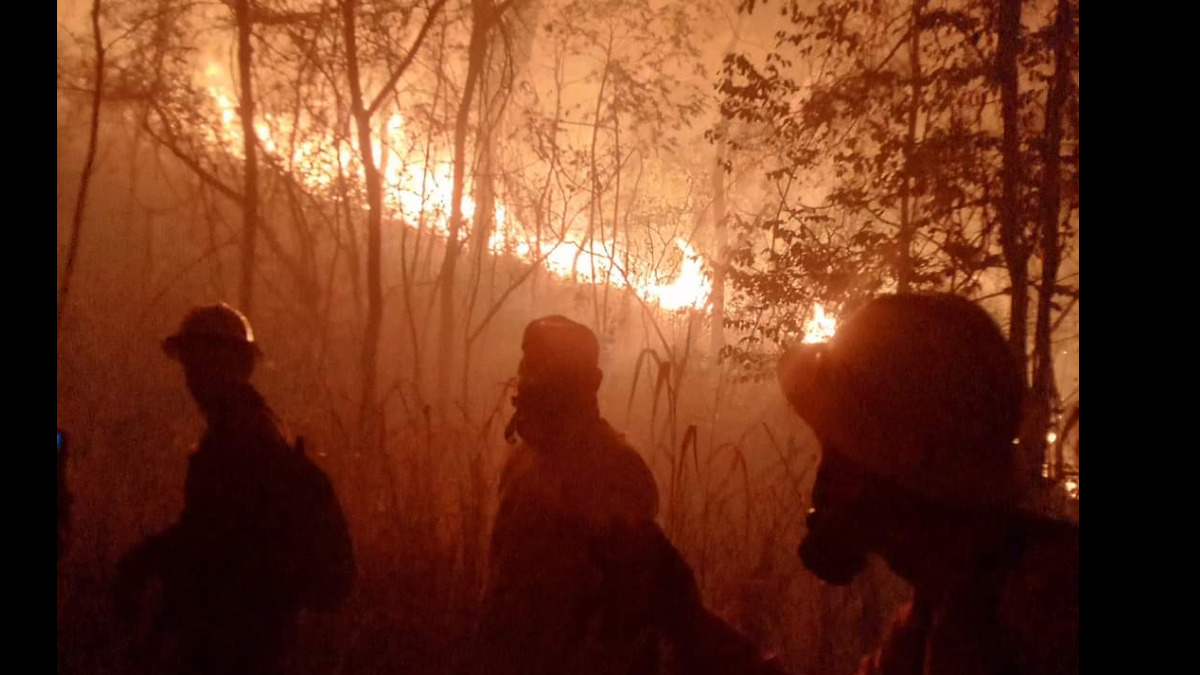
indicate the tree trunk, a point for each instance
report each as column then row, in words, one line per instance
column 1016, row 252
column 721, row 245
column 374, row 181
column 481, row 9
column 721, row 218
column 904, row 258
column 89, row 165
column 250, row 146
column 1045, row 389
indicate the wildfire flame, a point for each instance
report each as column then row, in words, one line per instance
column 690, row 290
column 821, row 327
column 1072, row 487
column 421, row 192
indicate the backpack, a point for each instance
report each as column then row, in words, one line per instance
column 316, row 554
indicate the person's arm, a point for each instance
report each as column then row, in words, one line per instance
column 700, row 641
column 146, row 561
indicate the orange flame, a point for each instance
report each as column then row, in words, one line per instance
column 690, row 290
column 821, row 327
column 416, row 189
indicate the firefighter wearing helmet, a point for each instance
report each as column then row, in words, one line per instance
column 917, row 402
column 570, row 481
column 581, row 579
column 238, row 566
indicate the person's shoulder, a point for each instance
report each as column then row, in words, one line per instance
column 629, row 473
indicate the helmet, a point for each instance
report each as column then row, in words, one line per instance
column 219, row 325
column 921, row 390
column 561, row 348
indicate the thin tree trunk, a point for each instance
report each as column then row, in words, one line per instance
column 363, row 111
column 481, row 10
column 1045, row 387
column 904, row 262
column 89, row 166
column 250, row 150
column 721, row 242
column 1016, row 252
column 374, row 183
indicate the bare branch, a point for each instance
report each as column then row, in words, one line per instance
column 383, row 94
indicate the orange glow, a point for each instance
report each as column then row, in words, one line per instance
column 822, row 327
column 1072, row 488
column 419, row 192
column 690, row 290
